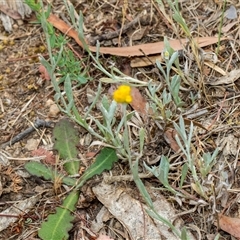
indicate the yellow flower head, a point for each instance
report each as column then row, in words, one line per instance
column 123, row 94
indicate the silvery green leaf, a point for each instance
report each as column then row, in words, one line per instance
column 105, row 102
column 184, row 173
column 161, row 68
column 141, row 139
column 167, row 98
column 112, row 111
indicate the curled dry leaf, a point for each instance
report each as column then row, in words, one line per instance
column 169, row 136
column 44, row 73
column 228, row 27
column 230, row 78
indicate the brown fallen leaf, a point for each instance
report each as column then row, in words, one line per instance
column 229, row 26
column 230, row 225
column 169, row 136
column 145, row 61
column 138, row 101
column 90, row 155
column 138, row 50
column 44, row 73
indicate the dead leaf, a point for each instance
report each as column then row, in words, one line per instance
column 129, row 212
column 17, row 209
column 226, row 28
column 139, row 50
column 132, row 213
column 169, row 136
column 10, row 12
column 104, row 237
column 136, row 35
column 50, row 158
column 230, row 225
column 138, row 101
column 44, row 73
column 145, row 61
column 231, row 77
column 215, row 67
column 90, row 155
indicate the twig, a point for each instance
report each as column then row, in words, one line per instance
column 115, row 34
column 25, row 58
column 38, row 123
column 111, row 179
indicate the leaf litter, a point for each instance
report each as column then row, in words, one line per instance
column 222, row 127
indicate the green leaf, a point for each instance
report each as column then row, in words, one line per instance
column 33, row 5
column 66, row 139
column 142, row 135
column 207, row 162
column 82, row 79
column 40, row 170
column 184, row 234
column 104, row 161
column 68, row 90
column 162, row 172
column 184, row 174
column 57, row 225
column 140, row 185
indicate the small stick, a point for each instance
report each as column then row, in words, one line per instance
column 38, row 123
column 114, row 34
column 111, row 179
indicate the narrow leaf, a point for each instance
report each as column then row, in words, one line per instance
column 140, row 185
column 184, row 174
